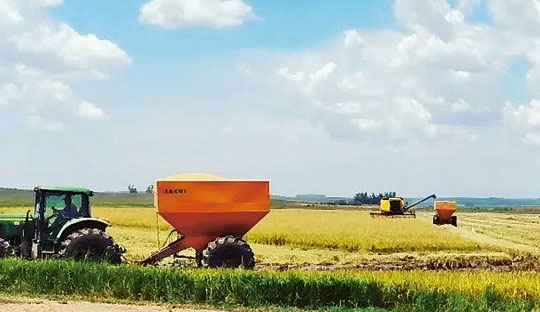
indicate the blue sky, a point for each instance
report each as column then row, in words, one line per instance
column 332, row 97
column 280, row 25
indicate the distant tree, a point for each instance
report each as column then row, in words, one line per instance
column 365, row 199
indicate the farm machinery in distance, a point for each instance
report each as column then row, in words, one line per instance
column 397, row 207
column 444, row 212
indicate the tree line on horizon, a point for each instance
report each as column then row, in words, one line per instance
column 373, row 199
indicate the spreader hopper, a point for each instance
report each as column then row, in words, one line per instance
column 203, row 208
column 445, row 210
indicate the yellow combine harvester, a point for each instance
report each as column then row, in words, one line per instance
column 397, row 207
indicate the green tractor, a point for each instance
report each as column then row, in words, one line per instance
column 60, row 226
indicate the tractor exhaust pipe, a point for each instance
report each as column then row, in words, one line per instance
column 407, row 207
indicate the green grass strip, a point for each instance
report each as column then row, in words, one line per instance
column 238, row 288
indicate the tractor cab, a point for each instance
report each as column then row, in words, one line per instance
column 55, row 206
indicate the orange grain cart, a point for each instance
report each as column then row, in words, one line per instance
column 211, row 214
column 445, row 210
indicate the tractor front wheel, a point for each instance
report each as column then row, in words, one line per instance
column 90, row 244
column 4, row 248
column 228, row 251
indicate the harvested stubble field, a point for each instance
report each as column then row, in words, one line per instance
column 423, row 266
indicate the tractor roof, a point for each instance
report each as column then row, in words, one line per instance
column 64, row 189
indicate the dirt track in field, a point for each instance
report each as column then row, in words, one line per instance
column 467, row 262
column 82, row 306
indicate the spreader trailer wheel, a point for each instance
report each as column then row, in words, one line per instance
column 228, row 251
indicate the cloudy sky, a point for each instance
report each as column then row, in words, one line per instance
column 318, row 96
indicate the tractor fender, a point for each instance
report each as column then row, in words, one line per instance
column 80, row 223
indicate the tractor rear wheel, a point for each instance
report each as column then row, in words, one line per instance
column 4, row 248
column 90, row 244
column 228, row 251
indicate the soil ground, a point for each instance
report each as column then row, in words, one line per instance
column 82, row 306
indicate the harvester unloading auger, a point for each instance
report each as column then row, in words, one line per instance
column 211, row 215
column 397, row 207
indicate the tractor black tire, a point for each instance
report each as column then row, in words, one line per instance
column 436, row 220
column 228, row 251
column 4, row 248
column 90, row 244
column 198, row 258
column 453, row 221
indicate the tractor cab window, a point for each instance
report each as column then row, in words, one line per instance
column 76, row 203
column 79, row 206
column 54, row 203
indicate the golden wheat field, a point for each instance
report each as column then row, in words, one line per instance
column 325, row 237
column 402, row 256
column 334, row 234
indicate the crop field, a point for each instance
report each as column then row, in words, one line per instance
column 517, row 228
column 336, row 233
column 311, row 259
column 386, row 290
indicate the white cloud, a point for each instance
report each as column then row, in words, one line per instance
column 392, row 86
column 352, row 37
column 177, row 14
column 75, row 51
column 522, row 16
column 8, row 15
column 8, row 93
column 323, row 73
column 440, row 76
column 40, row 57
column 89, row 110
column 39, row 121
column 48, row 3
column 434, row 16
column 292, row 76
column 523, row 120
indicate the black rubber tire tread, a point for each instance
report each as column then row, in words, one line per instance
column 4, row 248
column 88, row 244
column 453, row 221
column 436, row 220
column 228, row 251
column 198, row 259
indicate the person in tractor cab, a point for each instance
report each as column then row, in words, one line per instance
column 71, row 210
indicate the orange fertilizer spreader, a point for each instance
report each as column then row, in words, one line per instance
column 210, row 214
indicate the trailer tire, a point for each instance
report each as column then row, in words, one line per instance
column 4, row 248
column 228, row 251
column 453, row 221
column 90, row 244
column 436, row 220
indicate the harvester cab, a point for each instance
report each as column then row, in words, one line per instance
column 398, row 207
column 60, row 226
